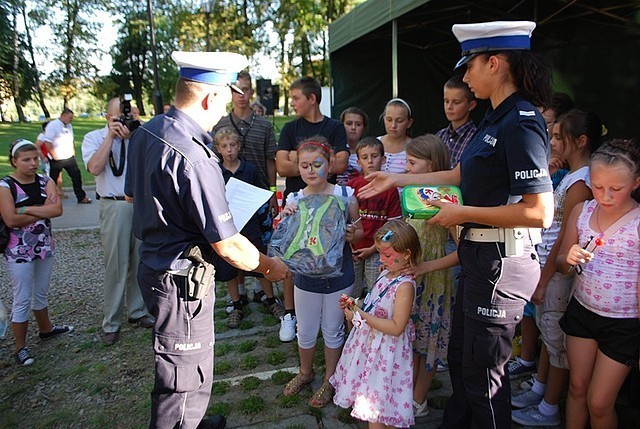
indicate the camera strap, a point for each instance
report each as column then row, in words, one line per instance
column 118, row 170
column 243, row 136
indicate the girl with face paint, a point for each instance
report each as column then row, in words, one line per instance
column 316, row 299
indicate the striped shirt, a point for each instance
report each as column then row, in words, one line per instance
column 257, row 139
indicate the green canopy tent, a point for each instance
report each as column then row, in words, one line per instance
column 405, row 48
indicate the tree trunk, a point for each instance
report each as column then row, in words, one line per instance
column 16, row 64
column 72, row 13
column 43, row 106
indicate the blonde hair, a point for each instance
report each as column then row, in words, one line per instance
column 431, row 148
column 402, row 237
column 226, row 133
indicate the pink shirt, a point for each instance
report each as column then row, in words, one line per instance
column 608, row 285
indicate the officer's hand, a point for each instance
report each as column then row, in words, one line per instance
column 277, row 271
column 379, row 181
column 449, row 215
column 116, row 129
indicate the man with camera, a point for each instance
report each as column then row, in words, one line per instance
column 105, row 153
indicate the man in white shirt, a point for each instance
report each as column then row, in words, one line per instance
column 104, row 154
column 58, row 137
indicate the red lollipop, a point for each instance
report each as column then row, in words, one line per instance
column 599, row 241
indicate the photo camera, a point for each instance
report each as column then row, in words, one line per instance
column 126, row 117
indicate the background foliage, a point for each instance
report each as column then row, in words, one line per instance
column 293, row 33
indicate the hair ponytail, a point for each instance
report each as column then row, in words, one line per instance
column 532, row 76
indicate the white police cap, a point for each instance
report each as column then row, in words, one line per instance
column 492, row 36
column 213, row 68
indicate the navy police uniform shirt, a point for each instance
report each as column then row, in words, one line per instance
column 177, row 189
column 507, row 157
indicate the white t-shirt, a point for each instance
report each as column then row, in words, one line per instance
column 61, row 138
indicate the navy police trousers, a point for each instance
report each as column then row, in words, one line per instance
column 183, row 347
column 489, row 303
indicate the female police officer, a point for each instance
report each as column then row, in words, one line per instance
column 503, row 176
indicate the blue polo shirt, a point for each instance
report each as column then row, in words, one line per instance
column 178, row 190
column 507, row 157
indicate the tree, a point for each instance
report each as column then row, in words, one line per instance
column 33, row 64
column 75, row 36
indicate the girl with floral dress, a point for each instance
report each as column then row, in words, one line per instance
column 375, row 372
column 436, row 294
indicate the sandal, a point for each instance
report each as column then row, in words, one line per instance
column 323, row 396
column 420, row 410
column 296, row 384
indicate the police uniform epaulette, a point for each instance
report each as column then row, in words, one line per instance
column 526, row 111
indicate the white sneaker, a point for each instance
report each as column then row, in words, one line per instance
column 526, row 399
column 287, row 328
column 533, row 417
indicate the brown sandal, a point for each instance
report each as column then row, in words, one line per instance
column 296, row 384
column 322, row 396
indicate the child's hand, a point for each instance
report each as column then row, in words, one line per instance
column 421, row 269
column 577, row 255
column 346, row 302
column 289, row 209
column 350, row 233
column 556, row 164
column 364, row 253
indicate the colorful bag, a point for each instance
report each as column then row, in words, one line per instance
column 311, row 240
column 416, row 199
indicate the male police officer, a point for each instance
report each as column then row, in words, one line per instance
column 180, row 214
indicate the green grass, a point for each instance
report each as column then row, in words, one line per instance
column 10, row 132
column 250, row 383
column 276, row 357
column 222, row 367
column 280, row 378
column 252, row 405
column 249, row 362
column 247, row 346
column 221, row 349
column 219, row 388
column 272, row 342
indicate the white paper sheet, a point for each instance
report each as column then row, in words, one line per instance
column 244, row 200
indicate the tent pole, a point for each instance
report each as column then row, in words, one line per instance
column 394, row 58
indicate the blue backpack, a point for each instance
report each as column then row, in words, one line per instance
column 311, row 241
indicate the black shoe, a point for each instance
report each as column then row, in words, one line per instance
column 213, row 422
column 55, row 331
column 259, row 296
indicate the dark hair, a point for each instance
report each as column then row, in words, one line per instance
column 44, row 125
column 26, row 148
column 355, row 111
column 576, row 123
column 66, row 111
column 308, row 86
column 402, row 237
column 531, row 74
column 430, row 147
column 456, row 82
column 561, row 103
column 369, row 142
column 316, row 144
